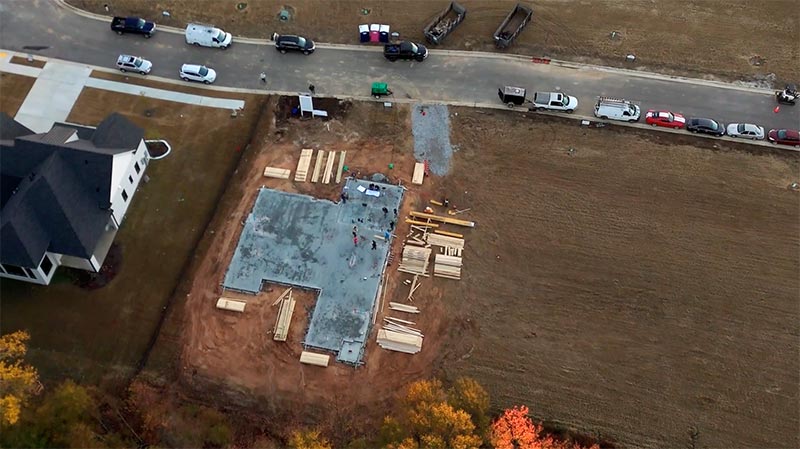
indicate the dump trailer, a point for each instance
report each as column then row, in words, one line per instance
column 512, row 25
column 444, row 23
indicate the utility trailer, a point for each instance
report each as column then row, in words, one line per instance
column 512, row 25
column 444, row 23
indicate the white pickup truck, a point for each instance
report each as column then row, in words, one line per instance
column 554, row 101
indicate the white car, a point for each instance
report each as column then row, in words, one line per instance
column 201, row 73
column 746, row 131
column 134, row 64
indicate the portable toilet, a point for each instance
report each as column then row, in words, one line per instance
column 374, row 32
column 363, row 31
column 384, row 37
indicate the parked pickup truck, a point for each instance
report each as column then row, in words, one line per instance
column 405, row 50
column 133, row 25
column 554, row 101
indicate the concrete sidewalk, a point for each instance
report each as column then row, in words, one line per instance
column 59, row 84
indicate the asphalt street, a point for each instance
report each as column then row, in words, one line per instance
column 43, row 27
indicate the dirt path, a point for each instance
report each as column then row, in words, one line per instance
column 699, row 38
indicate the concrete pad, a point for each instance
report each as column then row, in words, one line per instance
column 52, row 96
column 306, row 242
column 17, row 69
column 161, row 94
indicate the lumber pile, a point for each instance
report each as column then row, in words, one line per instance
column 447, row 266
column 302, row 165
column 341, row 167
column 318, row 166
column 312, row 358
column 326, row 177
column 419, row 173
column 399, row 341
column 403, row 307
column 231, row 304
column 274, row 172
column 390, row 324
column 284, row 316
column 439, row 218
column 415, row 260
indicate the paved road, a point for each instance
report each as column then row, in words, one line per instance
column 446, row 76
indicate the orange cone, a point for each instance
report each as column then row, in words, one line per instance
column 777, row 109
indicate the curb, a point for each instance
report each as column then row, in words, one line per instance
column 468, row 54
column 468, row 104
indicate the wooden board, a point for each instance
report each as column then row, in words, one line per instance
column 302, row 165
column 231, row 304
column 326, row 177
column 341, row 167
column 318, row 166
column 455, row 221
column 311, row 358
column 419, row 173
column 422, row 223
column 284, row 318
column 449, row 234
column 275, row 172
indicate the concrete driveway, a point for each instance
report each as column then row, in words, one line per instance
column 46, row 28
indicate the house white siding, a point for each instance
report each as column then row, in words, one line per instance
column 128, row 170
column 40, row 275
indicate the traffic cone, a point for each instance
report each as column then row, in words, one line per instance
column 777, row 109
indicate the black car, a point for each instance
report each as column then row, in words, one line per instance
column 705, row 126
column 288, row 42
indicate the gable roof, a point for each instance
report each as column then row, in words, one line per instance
column 56, row 189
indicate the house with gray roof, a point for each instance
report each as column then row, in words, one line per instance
column 64, row 194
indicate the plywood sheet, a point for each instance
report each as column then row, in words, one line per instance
column 274, row 172
column 419, row 173
column 231, row 304
column 302, row 165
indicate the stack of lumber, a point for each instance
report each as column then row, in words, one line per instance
column 441, row 219
column 231, row 304
column 311, row 358
column 398, row 341
column 419, row 173
column 403, row 307
column 274, row 172
column 445, row 241
column 447, row 266
column 326, row 177
column 302, row 165
column 397, row 325
column 341, row 167
column 284, row 316
column 318, row 166
column 415, row 260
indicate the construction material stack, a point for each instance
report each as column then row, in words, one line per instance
column 415, row 260
column 284, row 315
column 399, row 341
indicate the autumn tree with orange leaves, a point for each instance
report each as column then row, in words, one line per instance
column 514, row 429
column 18, row 380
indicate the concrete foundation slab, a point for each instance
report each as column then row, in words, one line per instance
column 306, row 242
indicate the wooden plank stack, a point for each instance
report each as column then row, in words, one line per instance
column 231, row 304
column 445, row 241
column 403, row 307
column 415, row 260
column 439, row 218
column 311, row 358
column 318, row 166
column 399, row 341
column 284, row 317
column 302, row 165
column 447, row 266
column 274, row 172
column 326, row 177
column 419, row 173
column 341, row 167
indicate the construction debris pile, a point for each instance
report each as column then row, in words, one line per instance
column 398, row 334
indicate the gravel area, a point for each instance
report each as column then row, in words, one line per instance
column 430, row 124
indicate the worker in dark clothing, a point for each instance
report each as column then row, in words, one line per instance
column 311, row 88
column 374, row 245
column 385, row 211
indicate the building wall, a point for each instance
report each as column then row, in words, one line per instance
column 122, row 194
column 41, row 275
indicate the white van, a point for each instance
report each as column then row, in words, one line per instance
column 616, row 109
column 207, row 36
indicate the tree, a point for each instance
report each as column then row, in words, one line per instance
column 18, row 381
column 514, row 429
column 468, row 395
column 308, row 439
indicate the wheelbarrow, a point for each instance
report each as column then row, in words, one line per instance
column 380, row 90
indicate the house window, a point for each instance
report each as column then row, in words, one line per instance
column 138, row 169
column 46, row 266
column 29, row 273
column 14, row 270
column 124, row 195
column 130, row 179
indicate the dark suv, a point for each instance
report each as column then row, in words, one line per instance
column 705, row 126
column 288, row 42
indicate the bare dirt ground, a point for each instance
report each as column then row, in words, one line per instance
column 236, row 351
column 632, row 287
column 99, row 336
column 690, row 37
column 13, row 90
